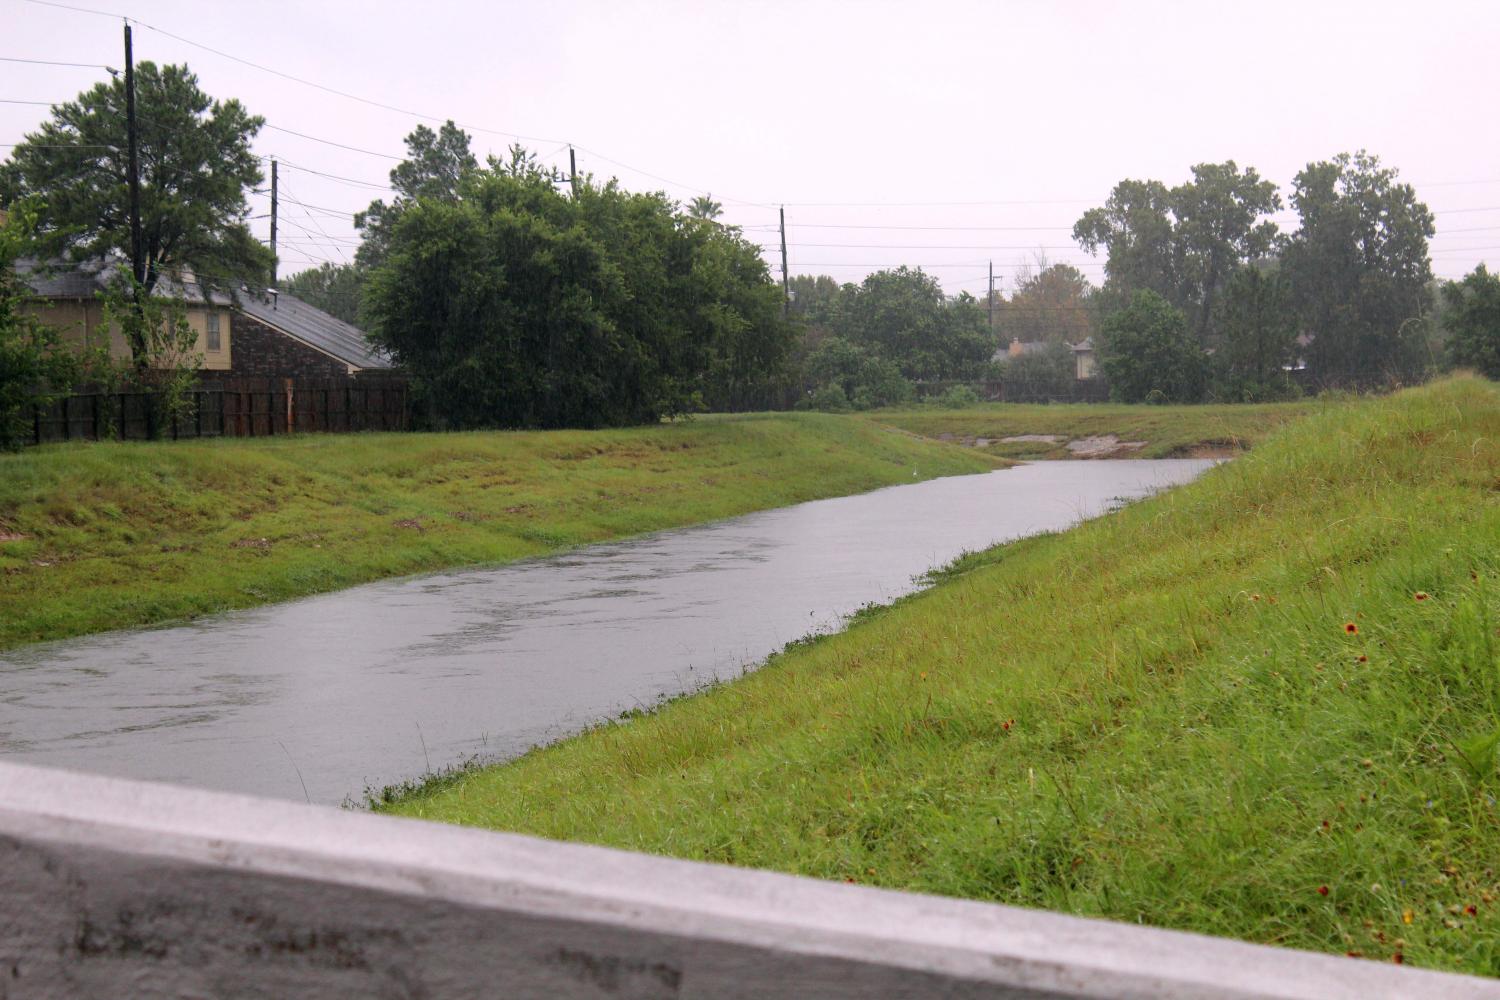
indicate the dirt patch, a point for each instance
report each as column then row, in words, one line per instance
column 468, row 516
column 1209, row 449
column 261, row 544
column 1104, row 446
column 12, row 536
column 411, row 523
column 1034, row 439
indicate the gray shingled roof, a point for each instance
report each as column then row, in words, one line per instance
column 86, row 279
column 314, row 327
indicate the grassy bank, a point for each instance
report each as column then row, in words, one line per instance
column 1257, row 706
column 116, row 535
column 1165, row 431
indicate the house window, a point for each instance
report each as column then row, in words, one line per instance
column 214, row 342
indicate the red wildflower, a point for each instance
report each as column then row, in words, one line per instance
column 1322, row 890
column 1398, row 958
column 1420, row 595
column 1363, row 658
column 1351, row 628
column 1471, row 910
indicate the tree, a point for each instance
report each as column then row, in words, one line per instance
column 1147, row 353
column 1051, row 305
column 435, row 166
column 35, row 367
column 1183, row 243
column 903, row 316
column 195, row 167
column 1358, row 267
column 334, row 288
column 1043, row 375
column 1258, row 333
column 861, row 379
column 513, row 305
column 704, row 207
column 1472, row 319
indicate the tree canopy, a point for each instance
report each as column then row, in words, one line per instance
column 1472, row 318
column 514, row 305
column 1148, row 353
column 903, row 316
column 1052, row 304
column 1183, row 243
column 195, row 168
column 1358, row 267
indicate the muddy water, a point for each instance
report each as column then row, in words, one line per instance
column 380, row 683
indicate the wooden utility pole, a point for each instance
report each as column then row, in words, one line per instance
column 573, row 172
column 273, row 222
column 992, row 298
column 137, row 262
column 786, row 288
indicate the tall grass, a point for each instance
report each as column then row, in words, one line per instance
column 1254, row 706
column 117, row 535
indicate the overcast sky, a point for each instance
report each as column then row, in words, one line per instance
column 984, row 128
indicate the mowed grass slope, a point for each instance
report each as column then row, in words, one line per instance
column 118, row 535
column 1168, row 431
column 1234, row 708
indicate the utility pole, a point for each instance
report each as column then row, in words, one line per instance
column 786, row 288
column 992, row 296
column 273, row 222
column 573, row 172
column 137, row 263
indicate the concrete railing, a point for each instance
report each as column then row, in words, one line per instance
column 113, row 888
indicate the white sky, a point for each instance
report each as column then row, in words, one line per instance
column 1014, row 117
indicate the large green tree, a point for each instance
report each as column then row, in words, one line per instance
column 512, row 304
column 1359, row 268
column 1258, row 335
column 1147, row 353
column 1472, row 318
column 435, row 166
column 903, row 316
column 1184, row 242
column 195, row 169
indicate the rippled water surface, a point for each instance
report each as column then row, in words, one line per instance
column 380, row 683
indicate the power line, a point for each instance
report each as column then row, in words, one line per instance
column 330, row 142
column 49, row 62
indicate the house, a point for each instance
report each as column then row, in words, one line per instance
column 277, row 334
column 1084, row 364
column 67, row 298
column 252, row 333
column 1018, row 348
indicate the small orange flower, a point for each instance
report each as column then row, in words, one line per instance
column 1398, row 958
column 1407, row 916
column 1322, row 890
column 1471, row 910
column 1254, row 597
column 1363, row 658
column 1420, row 595
column 1351, row 628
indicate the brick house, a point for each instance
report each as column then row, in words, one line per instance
column 279, row 335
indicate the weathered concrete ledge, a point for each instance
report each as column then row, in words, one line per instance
column 114, row 888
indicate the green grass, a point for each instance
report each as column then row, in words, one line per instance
column 1169, row 431
column 119, row 535
column 1158, row 716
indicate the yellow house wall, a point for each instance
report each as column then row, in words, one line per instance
column 80, row 322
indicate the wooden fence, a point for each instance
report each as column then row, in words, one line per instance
column 249, row 407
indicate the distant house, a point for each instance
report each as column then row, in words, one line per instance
column 1084, row 364
column 1018, row 348
column 67, row 298
column 249, row 334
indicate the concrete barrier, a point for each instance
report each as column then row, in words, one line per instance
column 114, row 888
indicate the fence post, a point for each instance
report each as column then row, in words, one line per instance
column 36, row 422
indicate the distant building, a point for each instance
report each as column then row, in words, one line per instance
column 1018, row 348
column 1084, row 364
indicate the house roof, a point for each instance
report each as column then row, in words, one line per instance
column 86, row 279
column 314, row 327
column 1086, row 344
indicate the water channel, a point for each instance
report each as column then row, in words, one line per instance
column 325, row 696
